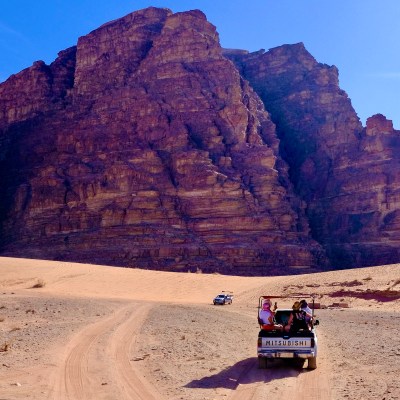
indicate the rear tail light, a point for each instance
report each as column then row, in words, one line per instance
column 259, row 342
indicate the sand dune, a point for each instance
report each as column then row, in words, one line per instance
column 96, row 332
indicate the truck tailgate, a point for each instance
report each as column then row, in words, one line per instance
column 282, row 343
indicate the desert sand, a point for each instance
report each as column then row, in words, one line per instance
column 97, row 332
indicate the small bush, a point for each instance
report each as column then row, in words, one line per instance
column 39, row 284
column 5, row 347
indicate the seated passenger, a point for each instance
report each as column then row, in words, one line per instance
column 309, row 314
column 266, row 317
column 297, row 319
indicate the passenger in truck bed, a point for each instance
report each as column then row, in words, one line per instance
column 297, row 320
column 266, row 317
column 309, row 314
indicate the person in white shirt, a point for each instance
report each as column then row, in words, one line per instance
column 266, row 317
column 309, row 314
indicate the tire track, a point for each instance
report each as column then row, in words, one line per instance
column 133, row 384
column 100, row 352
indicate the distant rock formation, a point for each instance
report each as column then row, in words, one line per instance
column 147, row 145
column 348, row 175
column 144, row 147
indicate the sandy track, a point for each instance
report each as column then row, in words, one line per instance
column 96, row 364
column 131, row 381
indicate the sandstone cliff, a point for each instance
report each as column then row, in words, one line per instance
column 348, row 175
column 143, row 146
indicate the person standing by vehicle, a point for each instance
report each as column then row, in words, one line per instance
column 266, row 317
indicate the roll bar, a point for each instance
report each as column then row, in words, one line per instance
column 294, row 296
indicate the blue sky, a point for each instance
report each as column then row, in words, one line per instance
column 360, row 37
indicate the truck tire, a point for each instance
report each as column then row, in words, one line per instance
column 262, row 362
column 312, row 363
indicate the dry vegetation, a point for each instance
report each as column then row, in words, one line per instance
column 5, row 347
column 39, row 284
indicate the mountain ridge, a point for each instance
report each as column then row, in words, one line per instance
column 148, row 145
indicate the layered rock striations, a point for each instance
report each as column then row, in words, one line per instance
column 148, row 145
column 367, row 230
column 143, row 146
column 347, row 174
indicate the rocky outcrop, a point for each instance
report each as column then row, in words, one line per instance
column 36, row 90
column 148, row 145
column 367, row 225
column 348, row 175
column 143, row 146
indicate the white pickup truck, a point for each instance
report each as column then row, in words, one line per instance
column 302, row 344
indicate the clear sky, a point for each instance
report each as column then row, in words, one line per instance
column 360, row 37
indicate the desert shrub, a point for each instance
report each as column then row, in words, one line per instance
column 39, row 284
column 5, row 347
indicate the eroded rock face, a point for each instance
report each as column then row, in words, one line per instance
column 367, row 228
column 143, row 146
column 348, row 175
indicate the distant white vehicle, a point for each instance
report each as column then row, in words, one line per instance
column 223, row 298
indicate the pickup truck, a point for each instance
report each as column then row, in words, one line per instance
column 223, row 298
column 301, row 344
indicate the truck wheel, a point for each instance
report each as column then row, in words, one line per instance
column 312, row 363
column 262, row 362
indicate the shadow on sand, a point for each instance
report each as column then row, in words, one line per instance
column 247, row 372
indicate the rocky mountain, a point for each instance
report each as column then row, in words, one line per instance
column 148, row 145
column 346, row 173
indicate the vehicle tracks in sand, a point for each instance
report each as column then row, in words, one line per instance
column 97, row 365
